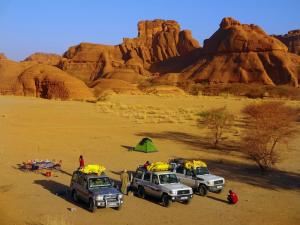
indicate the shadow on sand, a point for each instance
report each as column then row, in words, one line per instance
column 59, row 190
column 194, row 141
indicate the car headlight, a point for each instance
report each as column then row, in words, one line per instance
column 120, row 196
column 172, row 192
column 209, row 183
column 99, row 198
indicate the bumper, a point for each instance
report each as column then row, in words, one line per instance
column 180, row 198
column 215, row 188
column 109, row 204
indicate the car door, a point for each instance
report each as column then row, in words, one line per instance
column 189, row 178
column 137, row 179
column 146, row 183
column 180, row 174
column 154, row 186
column 81, row 188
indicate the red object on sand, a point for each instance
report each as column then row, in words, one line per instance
column 48, row 174
column 234, row 198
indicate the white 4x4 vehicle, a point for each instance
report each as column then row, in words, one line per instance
column 199, row 178
column 162, row 185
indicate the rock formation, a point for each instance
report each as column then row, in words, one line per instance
column 157, row 41
column 52, row 83
column 29, row 78
column 291, row 40
column 2, row 56
column 243, row 53
column 45, row 58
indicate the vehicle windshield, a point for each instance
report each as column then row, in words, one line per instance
column 99, row 182
column 201, row 171
column 168, row 178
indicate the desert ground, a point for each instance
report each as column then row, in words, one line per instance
column 34, row 128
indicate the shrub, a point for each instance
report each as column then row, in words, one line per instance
column 268, row 124
column 217, row 121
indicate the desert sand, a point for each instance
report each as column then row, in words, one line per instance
column 33, row 128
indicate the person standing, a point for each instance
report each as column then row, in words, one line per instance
column 124, row 182
column 81, row 162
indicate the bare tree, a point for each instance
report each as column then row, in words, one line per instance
column 218, row 121
column 268, row 124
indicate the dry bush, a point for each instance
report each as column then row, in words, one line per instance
column 283, row 91
column 218, row 121
column 268, row 124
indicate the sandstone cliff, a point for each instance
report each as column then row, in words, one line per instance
column 243, row 53
column 291, row 40
column 45, row 58
column 157, row 41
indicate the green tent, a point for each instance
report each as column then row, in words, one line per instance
column 145, row 145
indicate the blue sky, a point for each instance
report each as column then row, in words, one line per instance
column 28, row 26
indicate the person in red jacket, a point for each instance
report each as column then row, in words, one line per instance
column 81, row 162
column 232, row 197
column 146, row 164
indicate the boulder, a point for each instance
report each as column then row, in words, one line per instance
column 52, row 83
column 118, row 86
column 164, row 90
column 9, row 73
column 243, row 53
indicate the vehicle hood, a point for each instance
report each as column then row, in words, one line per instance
column 105, row 191
column 210, row 177
column 177, row 186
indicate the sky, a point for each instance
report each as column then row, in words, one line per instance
column 52, row 26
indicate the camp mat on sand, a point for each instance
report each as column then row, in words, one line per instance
column 35, row 165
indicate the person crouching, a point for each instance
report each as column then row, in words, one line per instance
column 232, row 197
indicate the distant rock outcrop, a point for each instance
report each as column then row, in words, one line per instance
column 291, row 40
column 52, row 83
column 2, row 56
column 29, row 78
column 157, row 41
column 243, row 53
column 45, row 58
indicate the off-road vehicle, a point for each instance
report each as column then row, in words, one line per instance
column 197, row 177
column 162, row 185
column 95, row 190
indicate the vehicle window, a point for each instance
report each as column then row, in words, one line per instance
column 189, row 173
column 139, row 174
column 179, row 169
column 168, row 178
column 74, row 177
column 99, row 182
column 147, row 176
column 201, row 170
column 155, row 179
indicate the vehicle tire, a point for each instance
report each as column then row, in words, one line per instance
column 74, row 196
column 187, row 201
column 119, row 208
column 165, row 200
column 219, row 191
column 202, row 190
column 92, row 206
column 141, row 192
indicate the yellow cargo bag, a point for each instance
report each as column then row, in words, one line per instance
column 158, row 166
column 92, row 169
column 194, row 164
